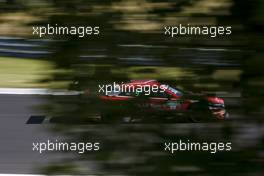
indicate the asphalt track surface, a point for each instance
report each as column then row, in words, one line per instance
column 16, row 137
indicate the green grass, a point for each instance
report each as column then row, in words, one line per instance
column 155, row 72
column 27, row 73
column 24, row 73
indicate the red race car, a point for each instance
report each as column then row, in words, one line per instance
column 151, row 101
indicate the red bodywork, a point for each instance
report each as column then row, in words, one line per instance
column 170, row 101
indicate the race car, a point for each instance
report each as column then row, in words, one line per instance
column 150, row 100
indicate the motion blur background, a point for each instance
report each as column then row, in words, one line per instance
column 132, row 45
